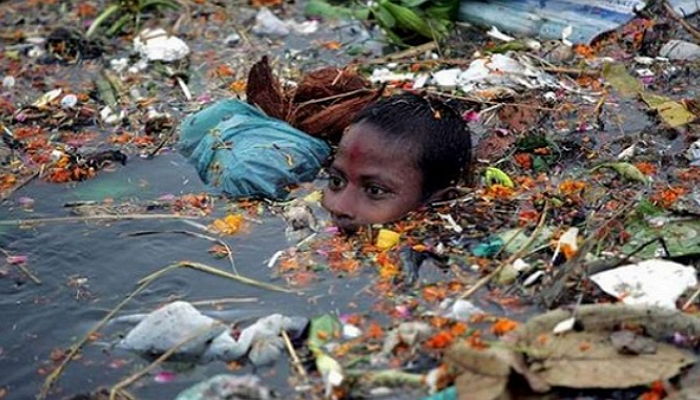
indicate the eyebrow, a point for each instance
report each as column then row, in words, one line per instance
column 383, row 180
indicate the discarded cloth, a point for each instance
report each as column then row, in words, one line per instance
column 245, row 153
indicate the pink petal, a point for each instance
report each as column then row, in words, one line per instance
column 14, row 260
column 403, row 311
column 164, row 377
column 25, row 201
column 470, row 116
column 167, row 197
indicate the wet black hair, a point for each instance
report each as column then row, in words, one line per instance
column 441, row 137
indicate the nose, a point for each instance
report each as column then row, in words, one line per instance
column 340, row 205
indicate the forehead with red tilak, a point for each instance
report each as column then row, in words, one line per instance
column 366, row 150
column 362, row 148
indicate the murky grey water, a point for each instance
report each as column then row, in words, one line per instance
column 39, row 318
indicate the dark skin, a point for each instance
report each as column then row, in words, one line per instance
column 372, row 180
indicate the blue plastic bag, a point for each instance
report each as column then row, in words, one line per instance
column 245, row 153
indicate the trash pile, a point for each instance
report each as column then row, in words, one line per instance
column 566, row 266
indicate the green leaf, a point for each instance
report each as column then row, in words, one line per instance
column 682, row 238
column 323, row 329
column 496, row 176
column 621, row 80
column 626, row 170
column 413, row 3
column 323, row 9
column 446, row 10
column 384, row 18
column 648, row 209
column 672, row 112
column 408, row 19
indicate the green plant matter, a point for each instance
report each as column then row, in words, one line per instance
column 127, row 12
column 408, row 20
column 402, row 20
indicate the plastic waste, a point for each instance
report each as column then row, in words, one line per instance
column 680, row 50
column 489, row 248
column 387, row 239
column 549, row 19
column 157, row 45
column 232, row 40
column 227, row 387
column 69, row 101
column 651, row 282
column 166, row 327
column 208, row 339
column 693, row 153
column 243, row 152
column 460, row 310
column 8, row 82
column 268, row 24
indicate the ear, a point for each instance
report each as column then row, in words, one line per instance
column 448, row 193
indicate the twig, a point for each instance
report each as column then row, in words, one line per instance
column 389, row 377
column 53, row 377
column 571, row 71
column 6, row 194
column 94, row 218
column 483, row 281
column 215, row 271
column 181, row 83
column 29, row 274
column 691, row 300
column 138, row 375
column 22, row 268
column 225, row 300
column 295, row 358
column 229, row 252
column 674, row 15
column 162, row 143
column 408, row 53
column 483, row 101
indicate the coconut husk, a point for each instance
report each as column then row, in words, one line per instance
column 332, row 120
column 327, row 82
column 264, row 90
column 323, row 104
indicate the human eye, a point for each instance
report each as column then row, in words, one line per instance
column 376, row 192
column 335, row 182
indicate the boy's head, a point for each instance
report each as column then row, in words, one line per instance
column 398, row 153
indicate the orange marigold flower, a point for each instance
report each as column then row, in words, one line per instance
column 667, row 197
column 374, row 331
column 499, row 192
column 440, row 340
column 569, row 187
column 503, row 326
column 434, row 293
column 523, row 159
column 387, row 268
column 646, row 168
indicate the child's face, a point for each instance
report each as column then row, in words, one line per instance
column 372, row 179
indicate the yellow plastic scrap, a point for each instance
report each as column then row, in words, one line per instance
column 229, row 225
column 387, row 239
column 314, row 197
